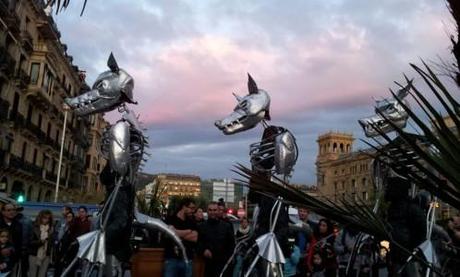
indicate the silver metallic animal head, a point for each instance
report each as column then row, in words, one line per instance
column 392, row 110
column 277, row 149
column 250, row 110
column 111, row 89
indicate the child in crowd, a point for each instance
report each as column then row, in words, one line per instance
column 6, row 250
column 318, row 269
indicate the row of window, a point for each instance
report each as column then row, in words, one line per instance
column 353, row 184
column 336, row 148
column 364, row 196
column 54, row 132
column 362, row 167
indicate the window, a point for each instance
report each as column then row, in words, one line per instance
column 365, row 195
column 48, row 130
column 50, row 84
column 40, row 119
column 14, row 109
column 69, row 91
column 57, row 136
column 34, row 72
column 44, row 160
column 364, row 182
column 29, row 113
column 34, row 160
column 24, row 151
column 353, row 183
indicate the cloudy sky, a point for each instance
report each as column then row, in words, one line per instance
column 321, row 62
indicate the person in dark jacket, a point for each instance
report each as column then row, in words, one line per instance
column 8, row 221
column 322, row 243
column 67, row 247
column 82, row 224
column 183, row 224
column 408, row 226
column 216, row 242
column 26, row 224
column 41, row 244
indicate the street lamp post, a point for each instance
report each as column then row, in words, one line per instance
column 56, row 193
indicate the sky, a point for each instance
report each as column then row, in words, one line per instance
column 322, row 62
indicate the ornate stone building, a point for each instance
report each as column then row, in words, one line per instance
column 94, row 191
column 36, row 74
column 340, row 171
column 165, row 185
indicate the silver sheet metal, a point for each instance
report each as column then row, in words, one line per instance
column 269, row 248
column 249, row 111
column 157, row 224
column 92, row 247
column 392, row 111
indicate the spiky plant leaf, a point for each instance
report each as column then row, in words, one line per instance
column 436, row 167
column 350, row 212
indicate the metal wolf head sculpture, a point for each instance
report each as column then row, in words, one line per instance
column 111, row 89
column 392, row 111
column 250, row 110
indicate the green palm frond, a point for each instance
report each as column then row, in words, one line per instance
column 435, row 155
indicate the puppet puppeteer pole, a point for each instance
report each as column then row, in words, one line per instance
column 56, row 193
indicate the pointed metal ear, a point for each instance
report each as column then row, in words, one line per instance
column 112, row 63
column 238, row 98
column 252, row 86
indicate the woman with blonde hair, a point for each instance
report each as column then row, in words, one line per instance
column 41, row 243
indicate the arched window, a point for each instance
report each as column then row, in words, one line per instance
column 334, row 147
column 47, row 196
column 341, row 148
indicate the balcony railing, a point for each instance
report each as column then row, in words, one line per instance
column 80, row 139
column 18, row 163
column 26, row 41
column 51, row 177
column 18, row 119
column 7, row 62
column 22, row 79
column 8, row 14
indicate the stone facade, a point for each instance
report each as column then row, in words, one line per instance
column 36, row 74
column 340, row 171
column 170, row 185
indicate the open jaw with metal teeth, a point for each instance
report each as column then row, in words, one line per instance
column 231, row 124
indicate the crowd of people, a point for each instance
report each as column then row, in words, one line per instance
column 316, row 248
column 31, row 248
